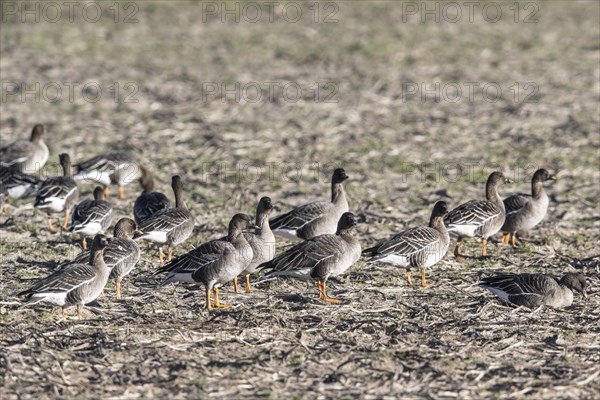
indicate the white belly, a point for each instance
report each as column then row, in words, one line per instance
column 156, row 237
column 52, row 298
column 90, row 229
column 56, row 204
column 127, row 173
column 289, row 234
column 303, row 274
column 102, row 177
column 464, row 230
column 18, row 191
column 394, row 259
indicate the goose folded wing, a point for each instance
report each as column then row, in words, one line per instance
column 55, row 188
column 119, row 250
column 94, row 212
column 306, row 255
column 203, row 255
column 409, row 242
column 65, row 280
column 165, row 220
column 300, row 216
column 515, row 203
column 529, row 284
column 475, row 212
column 15, row 153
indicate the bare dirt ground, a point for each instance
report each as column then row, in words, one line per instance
column 402, row 149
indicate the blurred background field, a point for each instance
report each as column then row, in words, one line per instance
column 161, row 78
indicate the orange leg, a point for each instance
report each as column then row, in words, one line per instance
column 320, row 287
column 118, row 287
column 105, row 192
column 51, row 227
column 247, row 281
column 408, row 277
column 208, row 306
column 484, row 248
column 217, row 304
column 121, row 192
column 514, row 240
column 169, row 254
column 66, row 221
column 505, row 237
column 84, row 244
column 235, row 284
column 64, row 314
column 457, row 248
column 161, row 256
column 79, row 312
column 423, row 281
column 328, row 299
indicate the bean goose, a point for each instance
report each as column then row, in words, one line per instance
column 17, row 185
column 149, row 202
column 419, row 247
column 535, row 290
column 480, row 218
column 115, row 167
column 320, row 257
column 262, row 241
column 216, row 262
column 77, row 284
column 170, row 226
column 91, row 217
column 122, row 253
column 317, row 218
column 26, row 156
column 58, row 194
column 524, row 211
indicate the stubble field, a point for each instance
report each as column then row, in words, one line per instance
column 160, row 79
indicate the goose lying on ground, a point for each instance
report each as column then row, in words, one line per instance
column 534, row 290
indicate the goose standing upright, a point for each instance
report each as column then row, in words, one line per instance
column 92, row 217
column 480, row 218
column 419, row 247
column 115, row 167
column 170, row 226
column 262, row 241
column 320, row 257
column 317, row 218
column 58, row 194
column 149, row 202
column 78, row 284
column 26, row 156
column 122, row 253
column 216, row 262
column 524, row 211
column 535, row 290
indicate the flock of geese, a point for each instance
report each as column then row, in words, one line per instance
column 328, row 244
